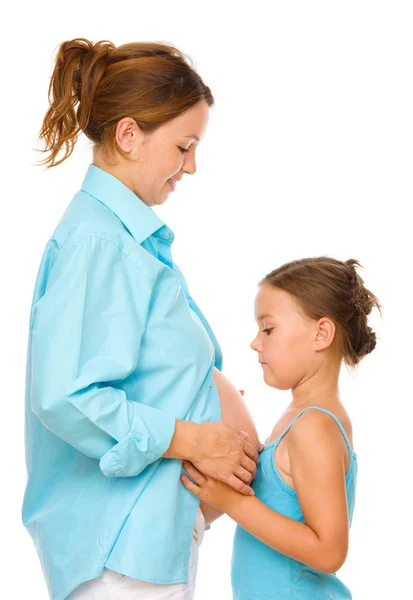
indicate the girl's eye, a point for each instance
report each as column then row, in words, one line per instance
column 183, row 150
column 268, row 331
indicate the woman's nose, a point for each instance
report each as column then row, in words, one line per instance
column 190, row 164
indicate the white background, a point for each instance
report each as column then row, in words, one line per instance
column 308, row 152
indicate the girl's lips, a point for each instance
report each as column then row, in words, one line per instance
column 172, row 184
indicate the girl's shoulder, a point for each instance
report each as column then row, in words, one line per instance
column 318, row 425
column 311, row 436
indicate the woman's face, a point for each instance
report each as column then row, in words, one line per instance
column 161, row 158
column 286, row 342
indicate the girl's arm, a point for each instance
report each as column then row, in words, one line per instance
column 211, row 513
column 315, row 446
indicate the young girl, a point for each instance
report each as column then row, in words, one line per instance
column 293, row 535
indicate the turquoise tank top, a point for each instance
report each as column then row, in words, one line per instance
column 260, row 572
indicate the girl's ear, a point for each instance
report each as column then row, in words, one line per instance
column 325, row 333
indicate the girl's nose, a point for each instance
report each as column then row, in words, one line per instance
column 254, row 344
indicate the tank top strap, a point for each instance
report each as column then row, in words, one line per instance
column 280, row 437
column 278, row 440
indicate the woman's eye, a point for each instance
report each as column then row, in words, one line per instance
column 183, row 150
column 268, row 331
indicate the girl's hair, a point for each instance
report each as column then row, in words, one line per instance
column 326, row 287
column 150, row 82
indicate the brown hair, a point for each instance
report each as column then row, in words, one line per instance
column 326, row 287
column 150, row 82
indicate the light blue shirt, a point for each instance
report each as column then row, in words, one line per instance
column 117, row 351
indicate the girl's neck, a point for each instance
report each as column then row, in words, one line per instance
column 320, row 389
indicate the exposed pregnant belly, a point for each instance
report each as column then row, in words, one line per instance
column 234, row 413
column 233, row 407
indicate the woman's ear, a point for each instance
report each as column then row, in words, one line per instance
column 129, row 135
column 325, row 333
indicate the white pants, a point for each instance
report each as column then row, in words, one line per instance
column 115, row 586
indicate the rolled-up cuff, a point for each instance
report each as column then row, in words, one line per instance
column 132, row 454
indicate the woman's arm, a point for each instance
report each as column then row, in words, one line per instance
column 86, row 336
column 315, row 445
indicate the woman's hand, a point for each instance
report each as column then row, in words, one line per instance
column 217, row 450
column 208, row 489
column 225, row 455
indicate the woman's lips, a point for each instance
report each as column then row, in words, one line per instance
column 172, row 184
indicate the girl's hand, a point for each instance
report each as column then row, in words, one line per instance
column 208, row 489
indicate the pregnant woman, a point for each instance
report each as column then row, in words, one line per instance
column 123, row 370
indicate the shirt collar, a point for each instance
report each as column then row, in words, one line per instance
column 139, row 218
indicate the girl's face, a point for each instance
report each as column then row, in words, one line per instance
column 288, row 341
column 161, row 158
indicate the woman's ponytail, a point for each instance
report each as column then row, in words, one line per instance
column 78, row 69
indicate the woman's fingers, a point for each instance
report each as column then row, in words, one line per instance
column 251, row 451
column 224, row 454
column 193, row 472
column 248, row 448
column 244, row 475
column 248, row 464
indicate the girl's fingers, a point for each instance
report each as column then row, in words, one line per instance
column 240, row 486
column 193, row 472
column 191, row 486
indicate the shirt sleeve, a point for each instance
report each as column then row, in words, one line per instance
column 86, row 335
